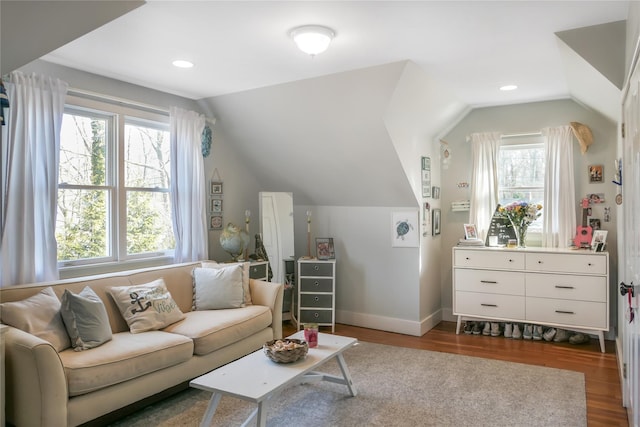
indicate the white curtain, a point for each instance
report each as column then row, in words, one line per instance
column 30, row 157
column 559, row 225
column 188, row 188
column 484, row 179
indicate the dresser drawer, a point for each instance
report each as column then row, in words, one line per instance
column 489, row 305
column 320, row 300
column 258, row 271
column 565, row 286
column 509, row 260
column 316, row 269
column 490, row 281
column 571, row 313
column 316, row 316
column 310, row 284
column 579, row 263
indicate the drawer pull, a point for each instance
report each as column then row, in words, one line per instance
column 488, row 281
column 589, row 264
column 539, row 262
column 564, row 312
column 467, row 258
column 316, row 315
column 317, row 298
column 316, row 283
column 316, row 267
column 510, row 260
column 564, row 287
column 488, row 305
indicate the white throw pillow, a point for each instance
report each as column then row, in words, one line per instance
column 39, row 315
column 218, row 288
column 245, row 276
column 146, row 307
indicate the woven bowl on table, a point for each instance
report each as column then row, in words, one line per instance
column 286, row 350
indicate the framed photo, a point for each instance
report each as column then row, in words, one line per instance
column 216, row 188
column 216, row 205
column 470, row 231
column 436, row 222
column 596, row 173
column 404, row 229
column 215, row 223
column 324, row 248
column 595, row 198
column 595, row 224
column 599, row 236
column 426, row 176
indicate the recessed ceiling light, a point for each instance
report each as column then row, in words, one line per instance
column 181, row 63
column 509, row 87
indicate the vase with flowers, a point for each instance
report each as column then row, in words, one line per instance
column 521, row 215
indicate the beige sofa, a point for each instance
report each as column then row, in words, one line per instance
column 49, row 388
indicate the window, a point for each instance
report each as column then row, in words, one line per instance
column 521, row 170
column 114, row 177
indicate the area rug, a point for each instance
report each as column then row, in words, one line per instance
column 401, row 387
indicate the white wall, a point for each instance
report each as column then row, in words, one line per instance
column 523, row 118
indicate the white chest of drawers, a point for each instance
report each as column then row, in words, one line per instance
column 316, row 293
column 563, row 288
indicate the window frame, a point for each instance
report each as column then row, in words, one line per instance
column 118, row 117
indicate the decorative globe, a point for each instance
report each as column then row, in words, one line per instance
column 234, row 240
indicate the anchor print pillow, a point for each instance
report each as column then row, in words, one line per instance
column 146, row 307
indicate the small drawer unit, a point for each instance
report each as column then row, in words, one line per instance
column 316, row 292
column 259, row 270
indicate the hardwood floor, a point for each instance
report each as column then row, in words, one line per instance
column 604, row 395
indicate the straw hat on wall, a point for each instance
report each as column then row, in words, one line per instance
column 583, row 135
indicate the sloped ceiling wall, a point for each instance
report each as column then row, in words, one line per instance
column 51, row 24
column 324, row 139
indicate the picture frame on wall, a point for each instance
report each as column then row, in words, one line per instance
column 425, row 165
column 405, row 229
column 435, row 223
column 596, row 173
column 215, row 223
column 324, row 248
column 216, row 188
column 216, row 205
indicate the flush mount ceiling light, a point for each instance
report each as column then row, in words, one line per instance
column 312, row 39
column 181, row 63
column 508, row 87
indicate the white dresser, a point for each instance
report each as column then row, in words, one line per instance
column 563, row 288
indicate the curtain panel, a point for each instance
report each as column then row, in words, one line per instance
column 188, row 188
column 30, row 158
column 484, row 180
column 559, row 225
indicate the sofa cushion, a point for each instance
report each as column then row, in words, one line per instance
column 219, row 288
column 125, row 357
column 245, row 276
column 214, row 329
column 85, row 318
column 39, row 315
column 146, row 307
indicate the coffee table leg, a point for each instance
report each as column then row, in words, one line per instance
column 211, row 409
column 347, row 375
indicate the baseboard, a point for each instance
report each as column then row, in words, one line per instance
column 389, row 324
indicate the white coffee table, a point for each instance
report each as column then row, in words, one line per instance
column 257, row 379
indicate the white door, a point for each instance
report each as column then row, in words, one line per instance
column 276, row 227
column 630, row 258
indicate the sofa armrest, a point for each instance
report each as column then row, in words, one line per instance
column 35, row 382
column 271, row 295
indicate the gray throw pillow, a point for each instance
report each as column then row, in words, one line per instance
column 85, row 318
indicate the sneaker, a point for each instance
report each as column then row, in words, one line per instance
column 516, row 334
column 468, row 327
column 549, row 334
column 476, row 328
column 562, row 335
column 495, row 329
column 537, row 332
column 527, row 332
column 508, row 330
column 579, row 339
column 487, row 328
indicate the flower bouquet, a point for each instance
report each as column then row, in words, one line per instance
column 521, row 215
